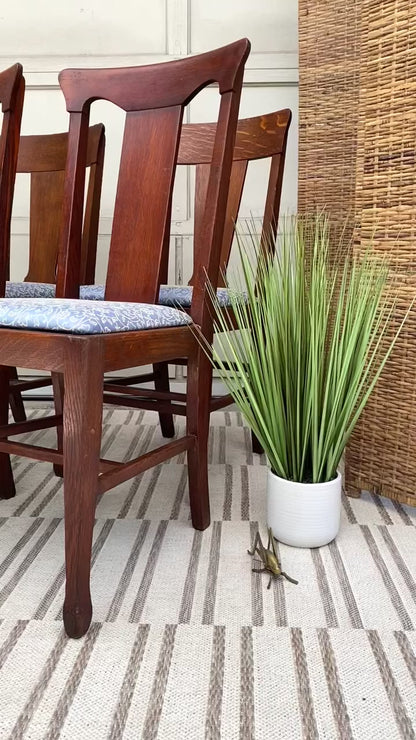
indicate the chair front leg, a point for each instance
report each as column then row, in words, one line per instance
column 7, row 489
column 83, row 377
column 197, row 421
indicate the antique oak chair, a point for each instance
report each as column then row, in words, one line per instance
column 82, row 340
column 44, row 157
column 262, row 137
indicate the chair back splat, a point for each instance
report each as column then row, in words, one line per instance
column 12, row 90
column 44, row 158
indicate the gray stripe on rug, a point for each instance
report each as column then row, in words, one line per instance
column 307, row 713
column 228, row 495
column 10, row 641
column 180, row 493
column 404, row 516
column 28, row 560
column 385, row 516
column 408, row 655
column 387, row 579
column 247, row 727
column 12, row 555
column 139, row 602
column 216, row 685
column 39, row 689
column 348, row 509
column 336, row 696
column 128, row 571
column 257, row 616
column 72, row 683
column 39, row 489
column 155, row 705
column 346, row 589
column 401, row 565
column 245, row 499
column 212, row 575
column 402, row 719
column 148, row 493
column 129, row 683
column 188, row 594
column 324, row 590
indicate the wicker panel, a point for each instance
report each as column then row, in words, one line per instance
column 375, row 152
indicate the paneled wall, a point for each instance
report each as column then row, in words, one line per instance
column 47, row 36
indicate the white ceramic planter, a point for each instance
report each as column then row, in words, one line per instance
column 303, row 514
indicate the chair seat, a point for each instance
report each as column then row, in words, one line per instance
column 30, row 290
column 170, row 295
column 77, row 316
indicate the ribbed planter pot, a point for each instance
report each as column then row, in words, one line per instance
column 303, row 514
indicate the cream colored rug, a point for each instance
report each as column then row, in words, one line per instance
column 186, row 641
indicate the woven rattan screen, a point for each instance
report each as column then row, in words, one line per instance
column 357, row 63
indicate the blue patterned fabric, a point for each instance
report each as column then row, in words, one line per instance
column 78, row 316
column 169, row 295
column 30, row 290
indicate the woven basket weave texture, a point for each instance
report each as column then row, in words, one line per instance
column 357, row 62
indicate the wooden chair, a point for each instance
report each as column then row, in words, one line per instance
column 44, row 158
column 82, row 340
column 257, row 138
column 12, row 90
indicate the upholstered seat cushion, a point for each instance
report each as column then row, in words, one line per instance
column 78, row 316
column 169, row 295
column 30, row 290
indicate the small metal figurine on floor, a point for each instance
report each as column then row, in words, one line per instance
column 269, row 558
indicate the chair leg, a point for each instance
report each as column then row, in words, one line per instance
column 197, row 419
column 161, row 370
column 58, row 398
column 7, row 489
column 255, row 444
column 81, row 447
column 15, row 398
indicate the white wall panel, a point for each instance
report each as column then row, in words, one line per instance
column 270, row 26
column 75, row 27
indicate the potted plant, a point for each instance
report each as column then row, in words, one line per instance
column 310, row 346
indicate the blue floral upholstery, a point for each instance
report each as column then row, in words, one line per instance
column 30, row 290
column 169, row 295
column 78, row 316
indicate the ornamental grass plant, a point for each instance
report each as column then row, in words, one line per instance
column 310, row 346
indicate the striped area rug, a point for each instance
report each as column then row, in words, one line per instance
column 186, row 641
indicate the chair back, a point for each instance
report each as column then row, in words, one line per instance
column 154, row 98
column 257, row 138
column 12, row 90
column 44, row 157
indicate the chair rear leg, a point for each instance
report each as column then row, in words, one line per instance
column 197, row 421
column 15, row 398
column 161, row 370
column 81, row 448
column 255, row 444
column 58, row 398
column 7, row 489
